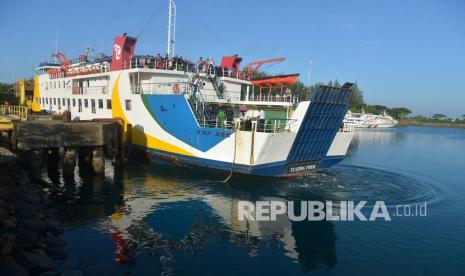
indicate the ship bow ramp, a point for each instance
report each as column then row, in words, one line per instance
column 316, row 132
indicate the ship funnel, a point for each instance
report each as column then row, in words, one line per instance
column 123, row 52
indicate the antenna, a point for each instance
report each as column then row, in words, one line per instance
column 56, row 40
column 171, row 27
column 309, row 74
column 90, row 52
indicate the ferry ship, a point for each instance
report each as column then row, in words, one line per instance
column 368, row 120
column 200, row 115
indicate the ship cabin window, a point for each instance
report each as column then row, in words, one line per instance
column 100, row 104
column 128, row 105
column 69, row 104
column 108, row 104
column 74, row 102
column 79, row 105
column 92, row 104
column 86, row 103
column 64, row 101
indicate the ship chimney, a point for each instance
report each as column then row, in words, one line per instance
column 123, row 52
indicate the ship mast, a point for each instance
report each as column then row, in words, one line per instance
column 171, row 27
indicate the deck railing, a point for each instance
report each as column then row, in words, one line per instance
column 267, row 126
column 347, row 128
column 92, row 90
column 161, row 88
column 287, row 98
column 184, row 66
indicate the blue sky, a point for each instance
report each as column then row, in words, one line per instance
column 402, row 53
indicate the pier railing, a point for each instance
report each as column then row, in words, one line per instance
column 14, row 110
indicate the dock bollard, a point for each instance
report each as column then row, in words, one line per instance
column 66, row 116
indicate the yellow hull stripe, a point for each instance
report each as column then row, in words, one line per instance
column 139, row 137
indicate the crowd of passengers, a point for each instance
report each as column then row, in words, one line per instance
column 181, row 64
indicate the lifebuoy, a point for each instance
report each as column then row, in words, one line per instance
column 176, row 88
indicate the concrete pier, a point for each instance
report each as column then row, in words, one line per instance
column 35, row 159
column 69, row 160
column 98, row 160
column 93, row 140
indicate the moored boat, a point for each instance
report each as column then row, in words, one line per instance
column 200, row 114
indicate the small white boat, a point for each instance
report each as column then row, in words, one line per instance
column 369, row 120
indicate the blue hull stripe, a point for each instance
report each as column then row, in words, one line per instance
column 174, row 115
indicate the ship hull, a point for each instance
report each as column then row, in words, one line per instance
column 276, row 169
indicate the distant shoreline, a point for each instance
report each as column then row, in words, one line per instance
column 417, row 123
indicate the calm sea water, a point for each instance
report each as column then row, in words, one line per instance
column 143, row 220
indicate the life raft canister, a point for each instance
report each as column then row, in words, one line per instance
column 176, row 88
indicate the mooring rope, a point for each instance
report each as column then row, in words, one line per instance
column 232, row 164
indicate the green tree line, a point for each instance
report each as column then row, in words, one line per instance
column 5, row 96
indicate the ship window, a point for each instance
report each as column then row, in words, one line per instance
column 54, row 101
column 64, row 101
column 92, row 103
column 74, row 102
column 69, row 104
column 108, row 104
column 128, row 104
column 86, row 103
column 80, row 105
column 100, row 104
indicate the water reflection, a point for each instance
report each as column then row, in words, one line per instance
column 159, row 218
column 377, row 136
column 169, row 214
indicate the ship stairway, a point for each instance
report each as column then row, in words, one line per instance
column 199, row 107
column 218, row 86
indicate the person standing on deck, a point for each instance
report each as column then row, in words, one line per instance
column 261, row 121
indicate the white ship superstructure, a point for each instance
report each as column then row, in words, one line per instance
column 201, row 114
